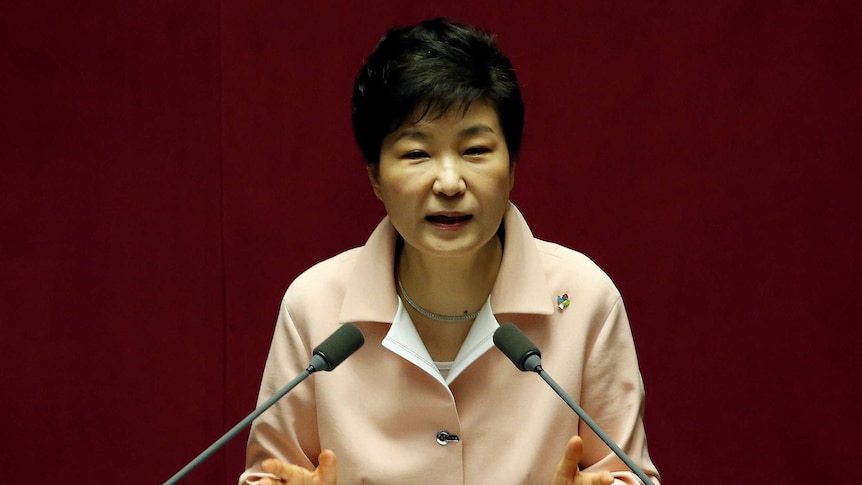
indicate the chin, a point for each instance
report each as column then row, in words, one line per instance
column 456, row 248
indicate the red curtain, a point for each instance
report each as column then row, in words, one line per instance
column 169, row 167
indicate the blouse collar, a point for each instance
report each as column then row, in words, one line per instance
column 521, row 285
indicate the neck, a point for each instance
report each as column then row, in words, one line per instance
column 451, row 285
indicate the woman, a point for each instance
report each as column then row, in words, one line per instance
column 438, row 116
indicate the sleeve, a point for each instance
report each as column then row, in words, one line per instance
column 288, row 430
column 613, row 395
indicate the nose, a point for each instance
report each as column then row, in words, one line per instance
column 449, row 181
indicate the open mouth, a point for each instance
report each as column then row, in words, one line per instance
column 441, row 219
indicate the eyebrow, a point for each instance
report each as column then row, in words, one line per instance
column 421, row 135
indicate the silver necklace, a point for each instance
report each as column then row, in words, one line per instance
column 432, row 315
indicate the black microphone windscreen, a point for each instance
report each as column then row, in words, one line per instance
column 340, row 345
column 517, row 347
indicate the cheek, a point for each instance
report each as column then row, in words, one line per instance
column 397, row 201
column 503, row 183
column 400, row 190
column 392, row 197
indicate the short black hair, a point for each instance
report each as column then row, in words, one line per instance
column 440, row 63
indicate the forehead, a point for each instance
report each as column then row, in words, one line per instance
column 472, row 117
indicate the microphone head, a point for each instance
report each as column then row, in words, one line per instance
column 518, row 348
column 337, row 347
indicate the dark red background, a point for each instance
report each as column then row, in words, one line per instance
column 169, row 167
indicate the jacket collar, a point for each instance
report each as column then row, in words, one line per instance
column 521, row 285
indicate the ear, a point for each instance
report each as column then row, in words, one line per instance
column 374, row 178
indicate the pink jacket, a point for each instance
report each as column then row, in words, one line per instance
column 382, row 409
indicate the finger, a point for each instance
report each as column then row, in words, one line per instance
column 290, row 474
column 601, row 478
column 567, row 468
column 326, row 471
column 604, row 478
column 273, row 480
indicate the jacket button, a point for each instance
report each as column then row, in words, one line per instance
column 444, row 438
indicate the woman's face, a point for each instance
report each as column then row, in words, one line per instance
column 445, row 181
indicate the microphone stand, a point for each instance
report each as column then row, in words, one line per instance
column 326, row 356
column 593, row 425
column 239, row 427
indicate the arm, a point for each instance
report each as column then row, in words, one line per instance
column 613, row 395
column 287, row 431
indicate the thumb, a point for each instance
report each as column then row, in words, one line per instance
column 326, row 470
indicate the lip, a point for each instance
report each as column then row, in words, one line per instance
column 448, row 220
column 448, row 214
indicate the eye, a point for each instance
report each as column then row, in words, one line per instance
column 477, row 150
column 415, row 155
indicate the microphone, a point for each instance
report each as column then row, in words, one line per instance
column 518, row 348
column 325, row 357
column 337, row 347
column 526, row 357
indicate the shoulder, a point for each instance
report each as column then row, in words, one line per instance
column 568, row 267
column 325, row 280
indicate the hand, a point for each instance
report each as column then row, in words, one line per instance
column 297, row 475
column 568, row 472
